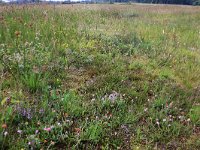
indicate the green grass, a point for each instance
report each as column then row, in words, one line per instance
column 99, row 76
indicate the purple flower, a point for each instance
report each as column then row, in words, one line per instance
column 112, row 97
column 28, row 113
column 41, row 111
column 8, row 100
column 36, row 131
column 23, row 112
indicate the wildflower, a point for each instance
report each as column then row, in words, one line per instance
column 112, row 97
column 125, row 128
column 45, row 141
column 4, row 126
column 163, row 31
column 188, row 120
column 17, row 33
column 110, row 115
column 36, row 131
column 17, row 57
column 8, row 100
column 5, row 133
column 41, row 111
column 19, row 131
column 23, row 112
column 181, row 118
column 38, row 123
column 93, row 100
column 157, row 123
column 26, row 44
column 145, row 109
column 77, row 130
column 164, row 120
column 29, row 143
column 28, row 115
column 47, row 129
column 52, row 143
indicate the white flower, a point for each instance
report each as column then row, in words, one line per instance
column 93, row 100
column 188, row 119
column 5, row 133
column 164, row 120
column 19, row 131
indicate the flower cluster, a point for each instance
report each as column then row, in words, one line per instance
column 25, row 112
column 112, row 97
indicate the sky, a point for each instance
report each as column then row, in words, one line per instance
column 44, row 0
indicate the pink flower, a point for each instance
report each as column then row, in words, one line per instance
column 47, row 129
column 19, row 131
column 36, row 131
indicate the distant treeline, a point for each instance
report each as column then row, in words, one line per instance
column 182, row 2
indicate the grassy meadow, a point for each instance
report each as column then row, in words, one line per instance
column 99, row 76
